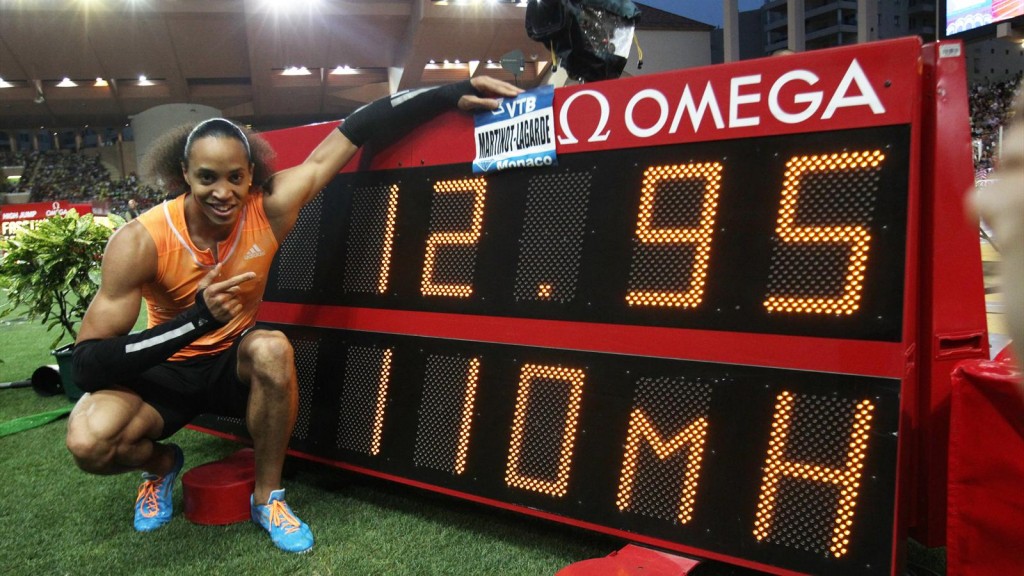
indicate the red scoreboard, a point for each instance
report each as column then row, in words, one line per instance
column 719, row 325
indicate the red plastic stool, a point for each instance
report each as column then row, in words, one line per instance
column 218, row 492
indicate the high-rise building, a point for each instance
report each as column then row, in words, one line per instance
column 994, row 53
column 828, row 23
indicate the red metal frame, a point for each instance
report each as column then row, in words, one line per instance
column 952, row 321
column 944, row 317
column 882, row 359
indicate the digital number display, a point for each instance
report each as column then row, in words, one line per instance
column 785, row 235
column 693, row 334
column 781, row 467
column 756, row 235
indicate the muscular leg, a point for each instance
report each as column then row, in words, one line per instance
column 112, row 431
column 267, row 363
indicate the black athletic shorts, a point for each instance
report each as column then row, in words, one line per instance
column 182, row 390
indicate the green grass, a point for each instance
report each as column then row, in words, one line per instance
column 59, row 520
column 25, row 344
column 63, row 521
column 23, row 354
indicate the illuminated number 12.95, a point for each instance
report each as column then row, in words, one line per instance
column 819, row 257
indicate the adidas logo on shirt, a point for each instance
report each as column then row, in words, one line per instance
column 254, row 252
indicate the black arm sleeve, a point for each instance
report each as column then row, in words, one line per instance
column 100, row 363
column 386, row 119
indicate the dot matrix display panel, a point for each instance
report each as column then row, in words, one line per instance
column 698, row 331
column 781, row 236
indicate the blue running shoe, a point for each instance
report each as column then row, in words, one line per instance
column 153, row 506
column 276, row 517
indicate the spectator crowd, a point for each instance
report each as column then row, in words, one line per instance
column 990, row 109
column 80, row 178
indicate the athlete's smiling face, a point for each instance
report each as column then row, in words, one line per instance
column 219, row 175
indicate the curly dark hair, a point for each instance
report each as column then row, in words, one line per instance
column 161, row 166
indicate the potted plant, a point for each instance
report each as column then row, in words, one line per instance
column 52, row 272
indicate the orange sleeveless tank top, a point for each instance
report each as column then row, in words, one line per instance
column 181, row 265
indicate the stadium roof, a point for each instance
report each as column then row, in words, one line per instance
column 231, row 55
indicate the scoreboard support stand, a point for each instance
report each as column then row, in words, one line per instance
column 986, row 465
column 633, row 560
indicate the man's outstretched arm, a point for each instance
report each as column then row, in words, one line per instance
column 381, row 120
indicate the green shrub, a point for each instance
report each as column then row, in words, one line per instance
column 52, row 272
